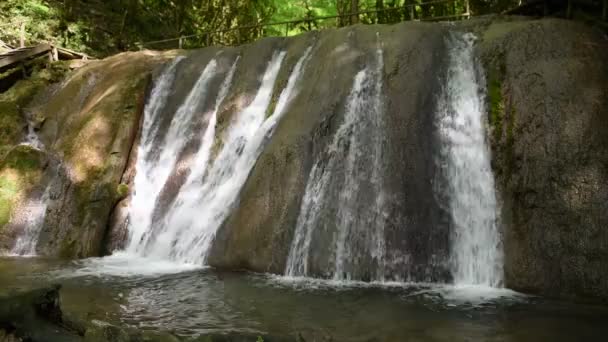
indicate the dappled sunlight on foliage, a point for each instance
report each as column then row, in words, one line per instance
column 105, row 27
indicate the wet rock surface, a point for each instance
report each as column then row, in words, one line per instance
column 34, row 315
column 259, row 233
column 548, row 98
column 547, row 94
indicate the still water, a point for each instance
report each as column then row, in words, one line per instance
column 191, row 301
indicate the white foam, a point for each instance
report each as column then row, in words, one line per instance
column 122, row 264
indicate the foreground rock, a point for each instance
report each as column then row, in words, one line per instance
column 34, row 316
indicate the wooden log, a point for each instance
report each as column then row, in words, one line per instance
column 71, row 54
column 21, row 55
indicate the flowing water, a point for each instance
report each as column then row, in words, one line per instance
column 147, row 182
column 160, row 282
column 31, row 219
column 476, row 243
column 185, row 232
column 359, row 225
column 201, row 302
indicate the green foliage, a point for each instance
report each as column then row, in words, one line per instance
column 102, row 27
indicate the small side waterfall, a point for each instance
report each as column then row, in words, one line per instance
column 359, row 238
column 188, row 227
column 31, row 215
column 476, row 243
column 31, row 219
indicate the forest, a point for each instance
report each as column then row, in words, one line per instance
column 101, row 27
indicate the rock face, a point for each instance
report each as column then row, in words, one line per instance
column 258, row 235
column 21, row 166
column 91, row 124
column 548, row 94
column 547, row 100
column 87, row 124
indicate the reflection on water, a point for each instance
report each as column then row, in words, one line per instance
column 198, row 301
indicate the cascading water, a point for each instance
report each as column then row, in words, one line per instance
column 360, row 226
column 200, row 160
column 476, row 244
column 187, row 229
column 152, row 172
column 32, row 219
column 32, row 214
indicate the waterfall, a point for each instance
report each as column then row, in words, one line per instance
column 187, row 229
column 32, row 214
column 150, row 176
column 360, row 200
column 476, row 244
column 175, row 142
column 31, row 218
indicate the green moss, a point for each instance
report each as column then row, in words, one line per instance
column 496, row 102
column 23, row 91
column 55, row 72
column 68, row 248
column 23, row 158
column 19, row 171
column 8, row 191
column 11, row 124
column 122, row 190
column 20, row 95
column 276, row 94
column 509, row 145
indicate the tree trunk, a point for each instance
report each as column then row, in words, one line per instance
column 354, row 8
column 381, row 15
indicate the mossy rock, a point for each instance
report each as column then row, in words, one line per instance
column 496, row 104
column 122, row 190
column 20, row 170
column 24, row 158
column 9, row 188
column 11, row 126
column 16, row 98
column 104, row 332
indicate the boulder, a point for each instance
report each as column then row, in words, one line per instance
column 33, row 315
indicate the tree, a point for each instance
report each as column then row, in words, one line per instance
column 354, row 10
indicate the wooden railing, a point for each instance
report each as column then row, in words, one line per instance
column 216, row 36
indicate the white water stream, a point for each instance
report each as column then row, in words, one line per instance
column 187, row 229
column 361, row 128
column 31, row 218
column 476, row 244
